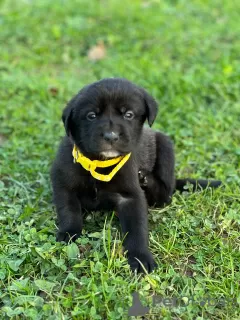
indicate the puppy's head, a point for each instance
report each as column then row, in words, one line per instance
column 105, row 119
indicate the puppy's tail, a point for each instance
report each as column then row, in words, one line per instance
column 198, row 184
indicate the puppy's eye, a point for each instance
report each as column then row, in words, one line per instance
column 91, row 116
column 129, row 115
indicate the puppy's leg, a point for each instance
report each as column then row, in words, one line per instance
column 69, row 214
column 160, row 183
column 132, row 212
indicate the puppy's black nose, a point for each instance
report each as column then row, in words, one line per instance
column 111, row 136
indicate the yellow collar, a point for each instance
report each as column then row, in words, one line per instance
column 91, row 165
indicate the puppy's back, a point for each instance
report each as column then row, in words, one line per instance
column 152, row 142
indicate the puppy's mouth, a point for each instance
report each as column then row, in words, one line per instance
column 110, row 154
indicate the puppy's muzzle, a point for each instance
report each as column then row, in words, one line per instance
column 111, row 137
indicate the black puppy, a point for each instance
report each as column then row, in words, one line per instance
column 105, row 121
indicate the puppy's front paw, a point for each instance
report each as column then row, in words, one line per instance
column 142, row 179
column 146, row 259
column 67, row 236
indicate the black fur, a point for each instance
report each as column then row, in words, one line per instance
column 147, row 178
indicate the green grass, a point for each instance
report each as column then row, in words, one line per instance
column 186, row 53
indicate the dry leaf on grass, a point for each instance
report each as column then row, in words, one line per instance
column 53, row 91
column 97, row 52
column 2, row 139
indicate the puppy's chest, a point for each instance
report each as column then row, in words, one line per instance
column 96, row 195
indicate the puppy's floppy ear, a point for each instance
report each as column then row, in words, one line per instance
column 151, row 107
column 67, row 117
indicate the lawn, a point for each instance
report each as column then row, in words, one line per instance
column 186, row 54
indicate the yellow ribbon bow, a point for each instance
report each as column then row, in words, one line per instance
column 91, row 165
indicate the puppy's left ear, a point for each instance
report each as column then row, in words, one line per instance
column 151, row 107
column 67, row 117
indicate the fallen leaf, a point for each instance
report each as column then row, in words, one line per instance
column 85, row 248
column 53, row 91
column 2, row 139
column 146, row 4
column 97, row 52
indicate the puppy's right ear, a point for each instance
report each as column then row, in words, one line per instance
column 67, row 118
column 151, row 106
